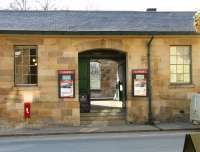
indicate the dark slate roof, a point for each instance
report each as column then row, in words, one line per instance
column 96, row 22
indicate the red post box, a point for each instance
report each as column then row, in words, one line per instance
column 27, row 110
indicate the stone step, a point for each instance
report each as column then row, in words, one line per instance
column 105, row 107
column 102, row 114
column 103, row 123
column 102, row 118
column 112, row 110
column 110, row 118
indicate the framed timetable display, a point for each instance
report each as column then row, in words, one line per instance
column 66, row 83
column 139, row 83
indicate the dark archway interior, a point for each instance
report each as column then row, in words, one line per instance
column 103, row 54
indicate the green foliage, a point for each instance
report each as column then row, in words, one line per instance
column 197, row 21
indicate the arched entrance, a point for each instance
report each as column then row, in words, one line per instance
column 102, row 81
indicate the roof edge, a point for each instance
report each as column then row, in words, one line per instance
column 98, row 11
column 99, row 32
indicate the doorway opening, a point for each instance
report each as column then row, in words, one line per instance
column 102, row 84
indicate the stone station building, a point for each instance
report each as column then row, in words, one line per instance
column 34, row 45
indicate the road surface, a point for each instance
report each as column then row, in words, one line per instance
column 121, row 142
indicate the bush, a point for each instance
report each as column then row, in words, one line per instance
column 197, row 21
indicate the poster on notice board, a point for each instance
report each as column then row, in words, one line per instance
column 139, row 79
column 66, row 83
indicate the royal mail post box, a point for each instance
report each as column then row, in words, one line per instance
column 27, row 110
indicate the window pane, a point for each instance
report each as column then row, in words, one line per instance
column 26, row 60
column 186, row 78
column 179, row 78
column 33, row 79
column 26, row 79
column 18, row 69
column 179, row 59
column 186, row 50
column 18, row 79
column 179, row 50
column 33, row 60
column 26, row 70
column 187, row 69
column 179, row 68
column 18, row 60
column 18, row 52
column 18, row 57
column 33, row 70
column 172, row 59
column 33, row 52
column 26, row 52
column 186, row 59
column 173, row 69
column 173, row 78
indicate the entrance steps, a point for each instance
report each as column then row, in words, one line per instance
column 104, row 116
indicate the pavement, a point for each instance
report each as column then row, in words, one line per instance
column 104, row 142
column 61, row 130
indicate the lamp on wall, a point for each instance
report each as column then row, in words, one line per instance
column 34, row 60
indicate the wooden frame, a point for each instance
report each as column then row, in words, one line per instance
column 190, row 57
column 25, row 85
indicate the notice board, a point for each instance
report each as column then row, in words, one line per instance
column 66, row 83
column 139, row 82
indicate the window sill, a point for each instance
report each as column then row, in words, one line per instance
column 25, row 86
column 174, row 86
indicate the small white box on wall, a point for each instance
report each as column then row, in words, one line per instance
column 195, row 109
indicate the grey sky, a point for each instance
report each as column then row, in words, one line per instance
column 137, row 5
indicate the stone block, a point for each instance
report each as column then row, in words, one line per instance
column 72, row 104
column 66, row 112
column 56, row 113
column 76, row 113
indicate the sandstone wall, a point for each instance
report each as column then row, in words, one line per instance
column 170, row 102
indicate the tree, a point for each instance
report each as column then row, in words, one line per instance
column 19, row 5
column 23, row 5
column 46, row 5
column 197, row 21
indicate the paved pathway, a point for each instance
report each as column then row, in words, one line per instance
column 28, row 130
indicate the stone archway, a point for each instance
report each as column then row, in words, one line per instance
column 85, row 57
column 107, row 44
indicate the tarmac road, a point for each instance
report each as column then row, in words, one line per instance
column 122, row 142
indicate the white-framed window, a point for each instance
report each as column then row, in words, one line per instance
column 95, row 75
column 26, row 65
column 180, row 65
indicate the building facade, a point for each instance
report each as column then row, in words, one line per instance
column 31, row 53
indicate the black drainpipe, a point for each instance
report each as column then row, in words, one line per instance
column 150, row 117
